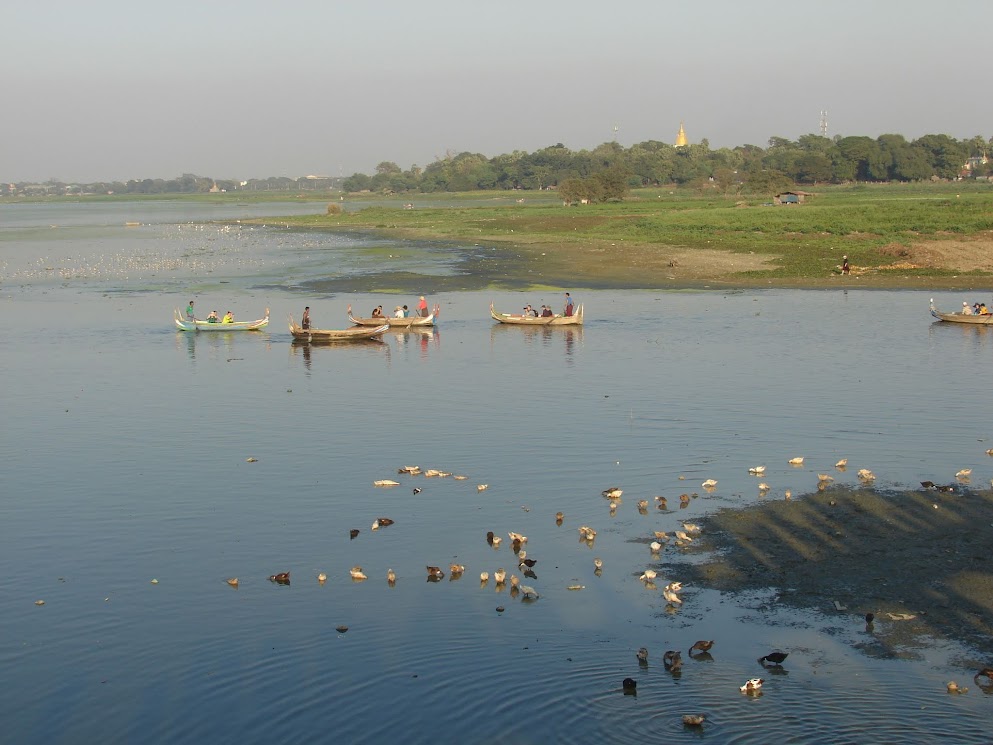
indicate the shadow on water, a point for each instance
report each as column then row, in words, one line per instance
column 917, row 559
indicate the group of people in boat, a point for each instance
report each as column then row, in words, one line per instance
column 402, row 311
column 976, row 309
column 546, row 310
column 211, row 317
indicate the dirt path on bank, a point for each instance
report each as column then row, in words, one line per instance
column 922, row 556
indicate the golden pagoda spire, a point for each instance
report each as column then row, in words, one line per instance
column 681, row 140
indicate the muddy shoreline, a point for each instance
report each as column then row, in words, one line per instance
column 919, row 560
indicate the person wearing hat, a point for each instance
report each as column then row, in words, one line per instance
column 398, row 312
column 422, row 307
column 966, row 309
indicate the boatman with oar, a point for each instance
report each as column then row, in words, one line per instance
column 189, row 312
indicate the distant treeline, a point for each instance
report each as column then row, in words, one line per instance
column 188, row 183
column 809, row 160
column 609, row 170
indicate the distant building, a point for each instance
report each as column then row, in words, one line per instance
column 791, row 197
column 681, row 140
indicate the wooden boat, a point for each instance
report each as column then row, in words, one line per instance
column 355, row 333
column 396, row 322
column 576, row 319
column 184, row 324
column 961, row 317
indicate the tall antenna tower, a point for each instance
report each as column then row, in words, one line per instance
column 615, row 132
column 823, row 123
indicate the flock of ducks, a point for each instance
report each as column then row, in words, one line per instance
column 671, row 659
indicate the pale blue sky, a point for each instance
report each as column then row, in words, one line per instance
column 245, row 89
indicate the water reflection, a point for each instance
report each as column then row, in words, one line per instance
column 217, row 343
column 424, row 338
column 307, row 349
column 544, row 336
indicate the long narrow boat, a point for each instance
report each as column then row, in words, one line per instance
column 184, row 324
column 396, row 322
column 355, row 333
column 986, row 319
column 576, row 319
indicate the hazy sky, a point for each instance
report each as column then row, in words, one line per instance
column 108, row 90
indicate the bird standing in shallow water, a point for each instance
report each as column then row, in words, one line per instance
column 776, row 658
column 612, row 493
column 751, row 685
column 391, row 577
column 672, row 660
column 986, row 672
column 702, row 646
column 643, row 654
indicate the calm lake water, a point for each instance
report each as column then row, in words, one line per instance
column 125, row 448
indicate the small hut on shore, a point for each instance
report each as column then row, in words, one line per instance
column 792, row 197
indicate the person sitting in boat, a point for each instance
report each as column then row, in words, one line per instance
column 398, row 313
column 982, row 310
column 212, row 317
column 406, row 312
column 377, row 312
column 546, row 311
column 966, row 310
column 228, row 317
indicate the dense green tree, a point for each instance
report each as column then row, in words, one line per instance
column 945, row 155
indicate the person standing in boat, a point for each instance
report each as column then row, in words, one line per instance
column 568, row 305
column 189, row 312
column 422, row 307
column 305, row 321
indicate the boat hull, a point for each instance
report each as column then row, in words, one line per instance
column 576, row 319
column 984, row 320
column 408, row 322
column 356, row 333
column 184, row 324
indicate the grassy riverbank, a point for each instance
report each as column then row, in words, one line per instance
column 915, row 236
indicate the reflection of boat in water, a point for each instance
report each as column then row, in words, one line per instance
column 981, row 320
column 353, row 334
column 408, row 322
column 184, row 324
column 553, row 320
column 543, row 336
column 375, row 346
